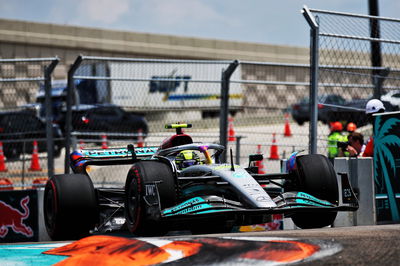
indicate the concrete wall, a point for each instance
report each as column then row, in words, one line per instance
column 361, row 177
column 25, row 39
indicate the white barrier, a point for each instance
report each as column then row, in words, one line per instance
column 360, row 171
column 43, row 236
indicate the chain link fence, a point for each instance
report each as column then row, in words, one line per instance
column 147, row 94
column 357, row 59
column 265, row 124
column 187, row 91
column 24, row 134
column 112, row 102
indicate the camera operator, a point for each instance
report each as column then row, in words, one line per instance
column 353, row 147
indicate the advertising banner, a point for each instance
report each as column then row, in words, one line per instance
column 387, row 165
column 18, row 216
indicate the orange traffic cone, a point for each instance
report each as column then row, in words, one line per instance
column 140, row 142
column 3, row 167
column 6, row 184
column 288, row 132
column 104, row 142
column 37, row 182
column 231, row 131
column 35, row 165
column 274, row 149
column 260, row 164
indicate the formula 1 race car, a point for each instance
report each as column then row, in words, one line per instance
column 183, row 185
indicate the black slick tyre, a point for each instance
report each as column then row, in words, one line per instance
column 316, row 176
column 143, row 216
column 70, row 206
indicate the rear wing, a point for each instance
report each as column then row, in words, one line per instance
column 83, row 157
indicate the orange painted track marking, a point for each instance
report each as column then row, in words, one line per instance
column 288, row 251
column 109, row 250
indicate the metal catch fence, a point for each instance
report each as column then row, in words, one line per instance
column 110, row 102
column 25, row 135
column 355, row 57
column 117, row 101
column 170, row 91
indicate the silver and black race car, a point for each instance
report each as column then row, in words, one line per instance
column 183, row 185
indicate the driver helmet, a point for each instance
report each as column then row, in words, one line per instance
column 374, row 106
column 186, row 158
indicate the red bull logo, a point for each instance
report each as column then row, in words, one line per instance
column 13, row 218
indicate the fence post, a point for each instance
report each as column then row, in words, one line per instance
column 49, row 116
column 376, row 58
column 223, row 118
column 68, row 119
column 314, row 53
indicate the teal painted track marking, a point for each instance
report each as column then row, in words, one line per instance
column 29, row 254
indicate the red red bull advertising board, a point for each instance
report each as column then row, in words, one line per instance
column 18, row 216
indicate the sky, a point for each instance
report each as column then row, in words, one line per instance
column 258, row 21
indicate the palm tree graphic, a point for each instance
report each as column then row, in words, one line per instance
column 382, row 153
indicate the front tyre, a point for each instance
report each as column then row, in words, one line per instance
column 316, row 176
column 70, row 206
column 143, row 216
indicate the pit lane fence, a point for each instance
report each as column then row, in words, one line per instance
column 268, row 90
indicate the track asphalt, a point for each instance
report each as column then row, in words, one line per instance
column 361, row 245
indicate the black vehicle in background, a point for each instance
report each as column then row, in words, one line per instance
column 18, row 131
column 354, row 111
column 332, row 107
column 85, row 94
column 301, row 110
column 89, row 112
column 106, row 118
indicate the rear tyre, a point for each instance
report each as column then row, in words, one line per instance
column 70, row 206
column 143, row 218
column 316, row 176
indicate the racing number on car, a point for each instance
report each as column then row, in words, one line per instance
column 346, row 192
column 262, row 199
column 252, row 189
